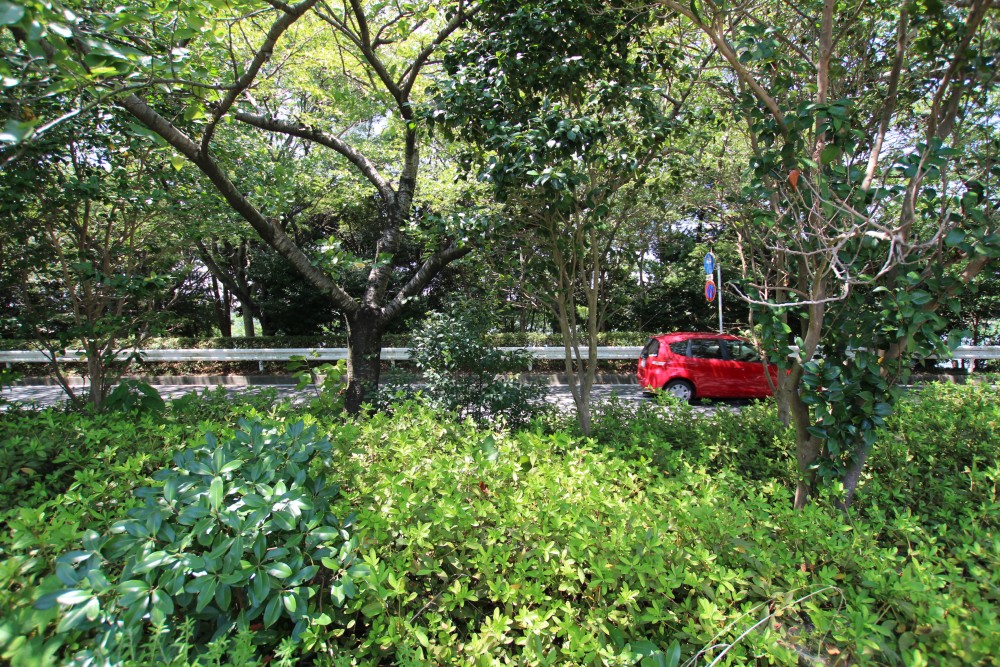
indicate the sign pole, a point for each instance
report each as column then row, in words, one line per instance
column 718, row 273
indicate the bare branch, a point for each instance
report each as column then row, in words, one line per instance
column 889, row 106
column 423, row 276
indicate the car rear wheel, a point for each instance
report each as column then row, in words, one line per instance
column 682, row 389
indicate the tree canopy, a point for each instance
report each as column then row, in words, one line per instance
column 343, row 157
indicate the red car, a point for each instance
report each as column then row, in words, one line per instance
column 705, row 365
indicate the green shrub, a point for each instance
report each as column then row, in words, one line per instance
column 939, row 456
column 236, row 533
column 502, row 339
column 547, row 549
column 42, row 451
column 666, row 539
column 751, row 442
column 466, row 377
column 66, row 472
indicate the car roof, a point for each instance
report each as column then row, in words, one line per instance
column 683, row 335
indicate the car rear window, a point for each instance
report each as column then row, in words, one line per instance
column 652, row 348
column 707, row 348
column 740, row 351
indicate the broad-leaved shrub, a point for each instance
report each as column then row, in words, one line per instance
column 464, row 375
column 237, row 534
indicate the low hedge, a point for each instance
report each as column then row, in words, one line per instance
column 389, row 340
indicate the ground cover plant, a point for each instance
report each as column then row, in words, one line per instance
column 664, row 539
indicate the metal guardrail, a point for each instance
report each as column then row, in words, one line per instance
column 282, row 354
column 335, row 353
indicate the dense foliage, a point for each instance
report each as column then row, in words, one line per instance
column 665, row 534
column 462, row 375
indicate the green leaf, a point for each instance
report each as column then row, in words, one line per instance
column 283, row 520
column 830, row 154
column 153, row 560
column 170, row 489
column 133, row 586
column 10, row 13
column 954, row 237
column 359, row 571
column 289, row 601
column 673, row 654
column 279, row 570
column 272, row 611
column 207, row 592
column 163, row 606
column 177, row 162
column 73, row 597
column 817, row 432
column 215, row 492
column 78, row 616
column 63, row 31
column 338, row 596
column 372, row 609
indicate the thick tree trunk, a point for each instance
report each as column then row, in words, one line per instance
column 364, row 340
column 266, row 329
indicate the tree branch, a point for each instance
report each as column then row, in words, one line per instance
column 430, row 268
column 353, row 155
column 272, row 234
column 411, row 72
column 263, row 54
column 729, row 53
column 890, row 98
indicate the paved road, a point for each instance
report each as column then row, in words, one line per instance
column 558, row 395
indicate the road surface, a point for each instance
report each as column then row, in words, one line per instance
column 42, row 396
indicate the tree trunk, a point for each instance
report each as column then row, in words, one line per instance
column 807, row 450
column 364, row 340
column 248, row 328
column 221, row 304
column 96, row 372
column 853, row 476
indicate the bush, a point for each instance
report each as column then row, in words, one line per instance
column 236, row 533
column 667, row 539
column 546, row 549
column 751, row 442
column 465, row 377
column 527, row 339
column 66, row 472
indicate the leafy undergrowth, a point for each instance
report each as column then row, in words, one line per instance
column 663, row 540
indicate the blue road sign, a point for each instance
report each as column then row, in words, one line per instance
column 709, row 264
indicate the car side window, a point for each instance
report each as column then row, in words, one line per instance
column 680, row 347
column 708, row 349
column 745, row 352
column 652, row 348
